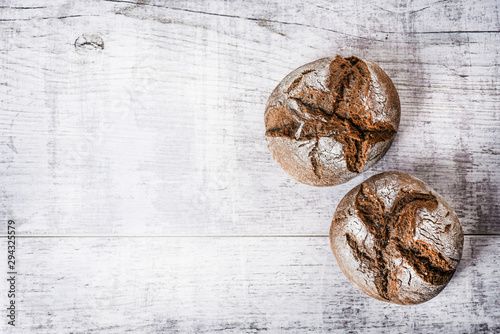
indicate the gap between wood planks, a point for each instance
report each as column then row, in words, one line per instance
column 479, row 235
column 299, row 24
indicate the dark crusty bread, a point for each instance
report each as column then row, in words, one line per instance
column 396, row 239
column 331, row 119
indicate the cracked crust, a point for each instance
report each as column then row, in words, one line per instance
column 396, row 239
column 331, row 119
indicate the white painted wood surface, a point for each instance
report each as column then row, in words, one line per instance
column 233, row 285
column 159, row 132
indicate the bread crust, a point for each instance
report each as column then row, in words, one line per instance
column 396, row 239
column 331, row 119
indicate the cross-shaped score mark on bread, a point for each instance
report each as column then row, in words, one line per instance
column 393, row 235
column 339, row 112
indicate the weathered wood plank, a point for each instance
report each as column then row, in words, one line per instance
column 230, row 285
column 161, row 132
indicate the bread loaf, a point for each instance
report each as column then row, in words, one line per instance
column 331, row 119
column 396, row 239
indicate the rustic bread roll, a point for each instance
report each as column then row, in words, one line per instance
column 331, row 119
column 396, row 239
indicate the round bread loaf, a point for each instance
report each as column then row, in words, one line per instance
column 396, row 239
column 331, row 119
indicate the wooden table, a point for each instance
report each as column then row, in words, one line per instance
column 135, row 167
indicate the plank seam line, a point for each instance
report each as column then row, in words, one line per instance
column 46, row 18
column 452, row 32
column 306, row 25
column 246, row 18
column 494, row 235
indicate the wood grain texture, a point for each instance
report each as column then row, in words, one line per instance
column 145, row 118
column 161, row 131
column 231, row 285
